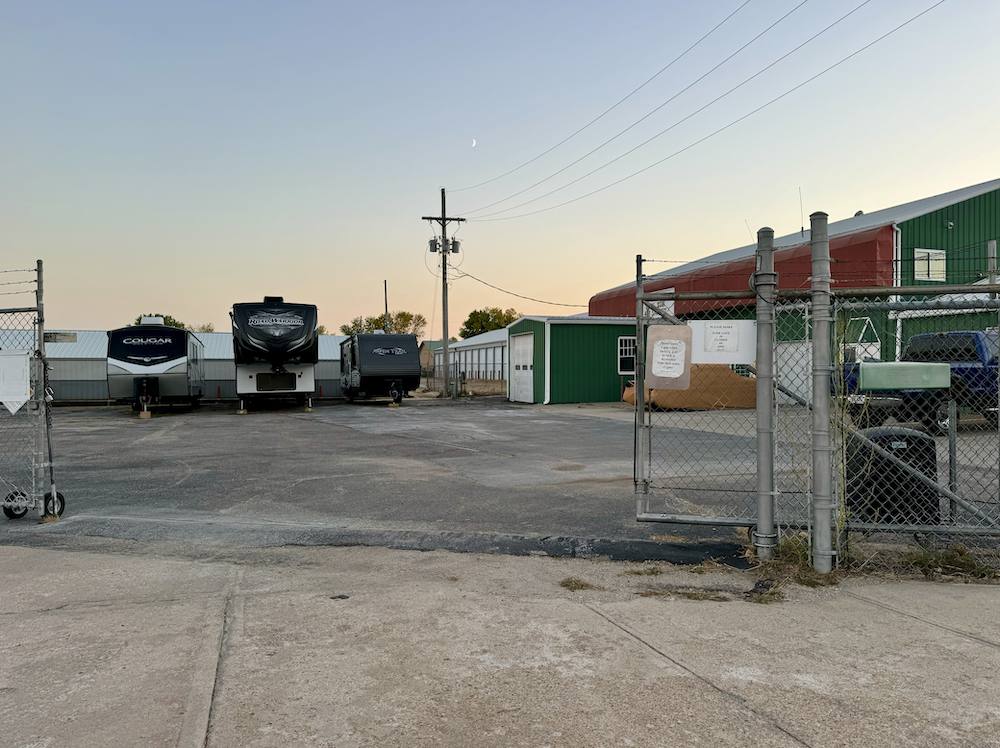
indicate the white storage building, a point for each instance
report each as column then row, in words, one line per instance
column 80, row 370
column 482, row 356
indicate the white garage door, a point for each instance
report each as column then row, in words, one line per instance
column 522, row 389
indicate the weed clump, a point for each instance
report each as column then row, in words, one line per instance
column 690, row 593
column 643, row 571
column 956, row 561
column 575, row 584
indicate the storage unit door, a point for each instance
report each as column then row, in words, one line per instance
column 523, row 375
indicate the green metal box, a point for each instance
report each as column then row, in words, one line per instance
column 903, row 375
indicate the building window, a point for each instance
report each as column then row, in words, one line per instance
column 928, row 264
column 626, row 354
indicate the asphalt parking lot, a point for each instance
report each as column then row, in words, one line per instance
column 481, row 475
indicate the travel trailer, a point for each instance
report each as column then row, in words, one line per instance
column 276, row 347
column 374, row 365
column 154, row 364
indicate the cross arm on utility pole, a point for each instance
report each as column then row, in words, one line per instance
column 441, row 219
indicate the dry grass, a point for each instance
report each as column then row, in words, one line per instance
column 689, row 593
column 642, row 571
column 954, row 562
column 575, row 584
column 707, row 566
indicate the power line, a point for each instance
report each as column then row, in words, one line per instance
column 527, row 298
column 701, row 140
column 649, row 114
column 609, row 110
column 682, row 120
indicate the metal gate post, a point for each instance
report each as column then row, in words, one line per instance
column 641, row 479
column 822, row 368
column 38, row 400
column 765, row 280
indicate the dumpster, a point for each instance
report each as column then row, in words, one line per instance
column 878, row 490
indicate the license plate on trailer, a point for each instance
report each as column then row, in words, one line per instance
column 271, row 382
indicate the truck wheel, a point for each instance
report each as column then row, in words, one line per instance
column 867, row 418
column 936, row 423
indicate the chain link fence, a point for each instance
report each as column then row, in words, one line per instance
column 871, row 424
column 917, row 467
column 26, row 476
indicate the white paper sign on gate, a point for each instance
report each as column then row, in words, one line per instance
column 668, row 357
column 724, row 341
column 15, row 379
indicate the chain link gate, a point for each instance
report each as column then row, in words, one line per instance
column 696, row 449
column 26, row 473
column 896, row 471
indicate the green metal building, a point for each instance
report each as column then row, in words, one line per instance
column 570, row 359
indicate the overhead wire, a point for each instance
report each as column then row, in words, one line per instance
column 610, row 109
column 700, row 140
column 648, row 115
column 678, row 122
column 464, row 274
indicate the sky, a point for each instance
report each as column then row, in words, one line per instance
column 181, row 157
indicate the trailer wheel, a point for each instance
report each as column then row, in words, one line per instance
column 396, row 395
column 10, row 511
column 60, row 504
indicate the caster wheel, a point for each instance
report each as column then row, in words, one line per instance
column 60, row 504
column 11, row 512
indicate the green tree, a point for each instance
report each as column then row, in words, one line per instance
column 400, row 323
column 206, row 327
column 489, row 318
column 321, row 330
column 167, row 320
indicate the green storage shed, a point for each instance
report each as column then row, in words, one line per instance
column 579, row 359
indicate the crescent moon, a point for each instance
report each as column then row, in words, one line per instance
column 473, row 142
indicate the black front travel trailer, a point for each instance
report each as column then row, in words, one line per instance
column 276, row 348
column 155, row 364
column 373, row 365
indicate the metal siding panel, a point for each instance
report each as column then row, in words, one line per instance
column 948, row 323
column 585, row 363
column 975, row 222
column 328, row 370
column 70, row 369
column 220, row 369
column 329, row 387
column 80, row 390
column 216, row 388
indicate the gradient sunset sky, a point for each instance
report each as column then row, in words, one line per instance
column 179, row 157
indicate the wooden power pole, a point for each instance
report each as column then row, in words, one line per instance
column 443, row 222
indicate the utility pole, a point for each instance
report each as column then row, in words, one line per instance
column 443, row 221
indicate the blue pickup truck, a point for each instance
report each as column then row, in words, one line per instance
column 972, row 357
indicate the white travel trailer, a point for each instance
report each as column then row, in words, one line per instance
column 153, row 364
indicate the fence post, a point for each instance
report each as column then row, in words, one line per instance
column 641, row 483
column 765, row 280
column 822, row 367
